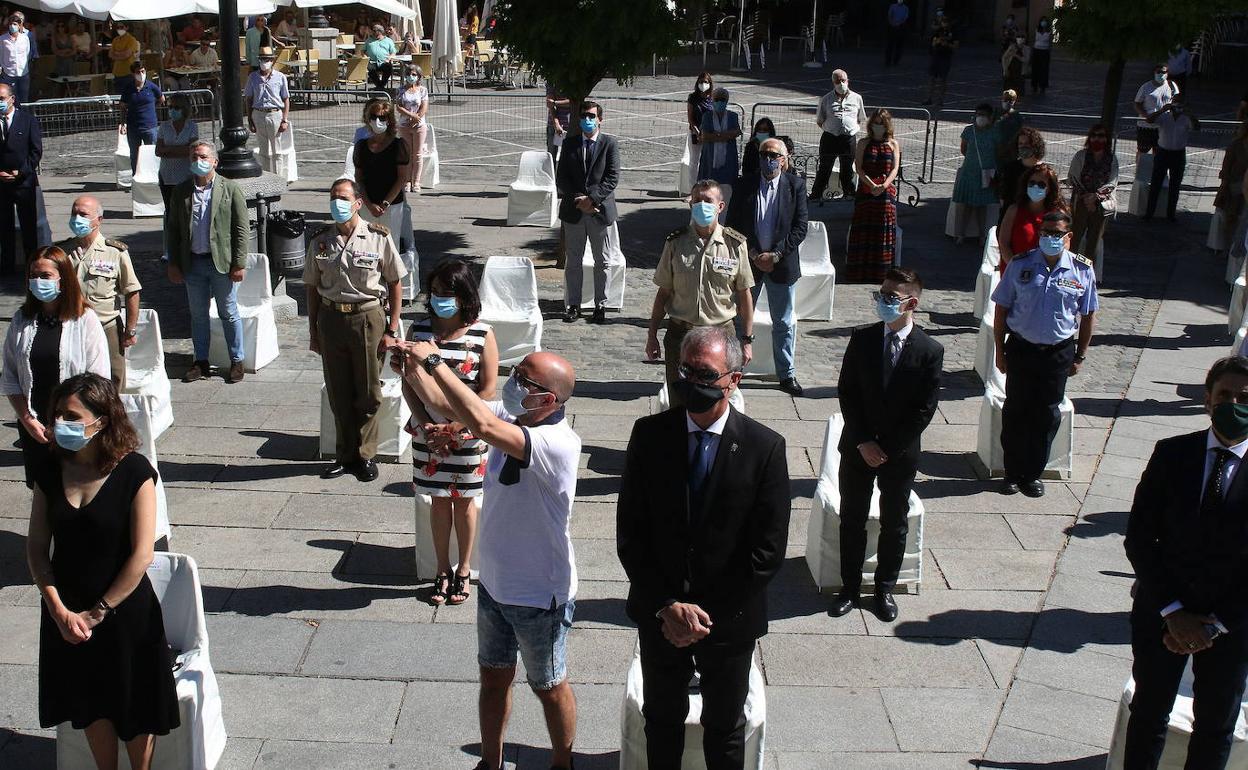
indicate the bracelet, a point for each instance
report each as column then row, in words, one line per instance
column 104, row 607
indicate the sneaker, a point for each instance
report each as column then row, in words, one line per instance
column 198, row 371
column 235, row 373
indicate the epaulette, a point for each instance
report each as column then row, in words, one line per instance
column 324, row 229
column 376, row 228
column 1083, row 259
column 733, row 235
column 673, row 235
column 119, row 245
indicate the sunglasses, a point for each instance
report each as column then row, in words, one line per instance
column 704, row 376
column 768, row 154
column 527, row 383
column 1055, row 233
column 889, row 297
column 589, row 115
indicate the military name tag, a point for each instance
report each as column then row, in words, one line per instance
column 103, row 269
column 365, row 261
column 724, row 265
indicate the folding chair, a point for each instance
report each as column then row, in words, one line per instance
column 532, row 198
column 357, row 72
column 145, row 197
column 816, row 288
column 509, row 304
column 121, row 163
column 138, row 410
column 145, row 372
column 255, row 309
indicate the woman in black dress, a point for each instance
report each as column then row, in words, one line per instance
column 380, row 161
column 104, row 664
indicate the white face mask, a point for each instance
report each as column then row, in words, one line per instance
column 981, row 121
column 841, row 88
column 139, row 80
column 377, row 125
column 266, row 66
column 704, row 87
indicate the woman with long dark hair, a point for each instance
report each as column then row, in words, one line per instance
column 1038, row 193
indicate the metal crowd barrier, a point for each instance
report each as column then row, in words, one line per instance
column 325, row 121
column 80, row 134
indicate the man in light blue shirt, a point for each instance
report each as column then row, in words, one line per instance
column 259, row 36
column 1046, row 308
column 379, row 49
column 895, row 35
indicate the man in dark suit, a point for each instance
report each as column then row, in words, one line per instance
column 888, row 388
column 21, row 148
column 701, row 528
column 589, row 169
column 769, row 209
column 1188, row 541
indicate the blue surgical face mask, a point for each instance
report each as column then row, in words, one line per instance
column 201, row 167
column 720, row 105
column 589, row 125
column 72, row 436
column 1159, row 78
column 514, row 395
column 769, row 166
column 704, row 213
column 175, row 113
column 79, row 225
column 888, row 311
column 444, row 307
column 4, row 107
column 341, row 210
column 13, row 29
column 45, row 289
column 1036, row 192
column 1051, row 245
column 761, row 136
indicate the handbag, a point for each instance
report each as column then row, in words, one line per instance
column 986, row 175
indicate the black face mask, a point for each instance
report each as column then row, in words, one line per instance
column 699, row 399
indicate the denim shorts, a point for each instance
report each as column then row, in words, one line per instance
column 540, row 636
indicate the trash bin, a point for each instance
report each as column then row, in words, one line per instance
column 286, row 241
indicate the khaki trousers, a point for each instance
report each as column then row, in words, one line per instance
column 116, row 354
column 352, row 368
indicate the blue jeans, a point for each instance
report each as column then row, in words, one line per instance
column 780, row 300
column 539, row 636
column 135, row 137
column 203, row 282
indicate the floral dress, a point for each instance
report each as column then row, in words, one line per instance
column 873, row 234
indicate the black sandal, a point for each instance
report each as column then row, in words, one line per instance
column 460, row 587
column 441, row 589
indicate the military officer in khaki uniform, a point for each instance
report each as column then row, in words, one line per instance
column 704, row 279
column 106, row 273
column 353, row 275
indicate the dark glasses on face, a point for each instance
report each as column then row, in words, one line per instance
column 704, row 376
column 771, row 155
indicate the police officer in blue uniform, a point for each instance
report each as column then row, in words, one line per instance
column 1046, row 306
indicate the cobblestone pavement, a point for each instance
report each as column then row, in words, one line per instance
column 1013, row 652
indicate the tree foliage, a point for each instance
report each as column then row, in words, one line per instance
column 1118, row 31
column 575, row 44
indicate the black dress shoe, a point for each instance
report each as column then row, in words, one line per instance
column 599, row 316
column 885, row 607
column 1009, row 487
column 789, row 385
column 335, row 470
column 570, row 314
column 1034, row 488
column 844, row 602
column 366, row 471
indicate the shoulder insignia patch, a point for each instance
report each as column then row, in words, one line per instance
column 1082, row 259
column 119, row 245
column 376, row 228
column 673, row 235
column 733, row 235
column 324, row 229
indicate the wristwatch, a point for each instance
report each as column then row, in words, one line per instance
column 747, row 339
column 431, row 362
column 1079, row 358
column 390, row 333
column 129, row 334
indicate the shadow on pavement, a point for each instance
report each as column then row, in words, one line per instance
column 1095, row 762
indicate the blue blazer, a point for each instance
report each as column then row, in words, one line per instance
column 22, row 149
column 791, row 223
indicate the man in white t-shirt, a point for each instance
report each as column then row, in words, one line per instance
column 524, row 543
column 1150, row 101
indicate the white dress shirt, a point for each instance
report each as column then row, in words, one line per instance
column 766, row 213
column 841, row 115
column 901, row 333
column 15, row 54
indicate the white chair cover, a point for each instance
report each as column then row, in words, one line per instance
column 633, row 724
column 200, row 740
column 255, row 308
column 145, row 372
column 146, row 200
column 1235, row 309
column 1179, row 733
column 1137, row 204
column 615, row 270
column 532, row 199
column 988, row 444
column 141, row 419
column 985, row 342
column 509, row 304
column 763, row 362
column 968, row 228
column 988, row 276
column 688, row 167
column 736, row 400
column 348, row 166
column 392, row 417
column 121, row 162
column 406, row 243
column 816, row 288
column 823, row 533
column 1219, row 239
column 429, row 176
column 287, row 164
column 1240, row 346
column 1234, row 267
column 426, row 558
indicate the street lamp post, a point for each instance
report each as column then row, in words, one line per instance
column 235, row 160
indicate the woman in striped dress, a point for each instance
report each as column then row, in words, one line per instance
column 873, row 234
column 448, row 461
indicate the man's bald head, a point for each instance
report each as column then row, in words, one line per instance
column 551, row 371
column 87, row 206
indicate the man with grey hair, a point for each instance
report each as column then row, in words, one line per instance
column 841, row 115
column 701, row 529
column 206, row 248
column 703, row 279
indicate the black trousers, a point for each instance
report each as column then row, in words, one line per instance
column 1035, row 384
column 1171, row 162
column 894, row 41
column 896, row 477
column 830, row 148
column 725, row 682
column 379, row 74
column 22, row 199
column 1218, row 689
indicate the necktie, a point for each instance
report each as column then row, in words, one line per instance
column 4, row 129
column 699, row 470
column 1214, row 493
column 587, row 151
column 892, row 348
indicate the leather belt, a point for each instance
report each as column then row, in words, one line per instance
column 351, row 307
column 266, row 109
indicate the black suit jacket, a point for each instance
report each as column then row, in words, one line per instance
column 1178, row 554
column 599, row 183
column 791, row 223
column 729, row 550
column 22, row 150
column 894, row 417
